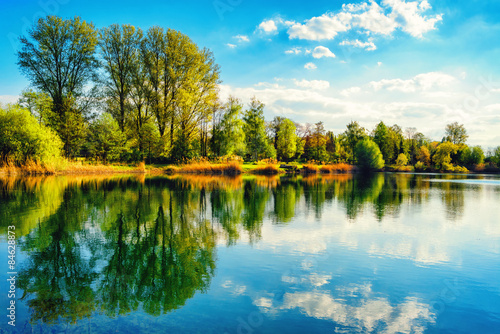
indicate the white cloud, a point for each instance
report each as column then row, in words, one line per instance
column 373, row 18
column 350, row 91
column 242, row 38
column 326, row 26
column 232, row 46
column 6, row 99
column 409, row 16
column 321, row 51
column 420, row 82
column 312, row 84
column 268, row 26
column 295, row 51
column 310, row 66
column 379, row 64
column 369, row 46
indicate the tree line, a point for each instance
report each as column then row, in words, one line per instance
column 122, row 94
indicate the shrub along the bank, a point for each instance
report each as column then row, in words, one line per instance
column 26, row 142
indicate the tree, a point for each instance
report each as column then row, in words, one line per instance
column 424, row 156
column 23, row 139
column 255, row 129
column 39, row 105
column 476, row 156
column 194, row 79
column 402, row 160
column 153, row 55
column 105, row 140
column 58, row 57
column 354, row 134
column 286, row 145
column 368, row 155
column 456, row 133
column 442, row 157
column 381, row 138
column 119, row 45
column 228, row 136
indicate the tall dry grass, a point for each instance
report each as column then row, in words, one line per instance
column 336, row 168
column 269, row 169
column 207, row 168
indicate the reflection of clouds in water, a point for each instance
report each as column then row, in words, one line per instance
column 313, row 279
column 430, row 253
column 234, row 288
column 418, row 232
column 365, row 313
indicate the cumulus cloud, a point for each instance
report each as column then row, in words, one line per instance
column 268, row 26
column 310, row 66
column 321, row 51
column 326, row 26
column 312, row 84
column 409, row 16
column 370, row 18
column 420, row 82
column 369, row 46
column 295, row 51
column 232, row 46
column 242, row 38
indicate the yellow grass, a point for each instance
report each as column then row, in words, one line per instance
column 268, row 169
column 336, row 168
column 204, row 167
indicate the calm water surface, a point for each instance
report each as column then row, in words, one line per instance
column 390, row 253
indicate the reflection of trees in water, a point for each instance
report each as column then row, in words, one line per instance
column 119, row 244
column 140, row 257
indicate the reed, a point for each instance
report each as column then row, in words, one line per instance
column 207, row 168
column 336, row 168
column 269, row 169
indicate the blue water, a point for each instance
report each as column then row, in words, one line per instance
column 390, row 253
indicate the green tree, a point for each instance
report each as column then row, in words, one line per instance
column 118, row 46
column 368, row 155
column 353, row 135
column 23, row 139
column 195, row 78
column 402, row 160
column 58, row 58
column 456, row 133
column 476, row 156
column 381, row 138
column 286, row 145
column 255, row 129
column 442, row 157
column 106, row 141
column 227, row 131
column 39, row 105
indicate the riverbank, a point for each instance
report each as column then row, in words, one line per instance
column 216, row 169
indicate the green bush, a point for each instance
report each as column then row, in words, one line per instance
column 420, row 166
column 402, row 160
column 24, row 140
column 368, row 155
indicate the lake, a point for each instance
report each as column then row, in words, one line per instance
column 386, row 253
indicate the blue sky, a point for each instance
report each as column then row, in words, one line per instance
column 416, row 63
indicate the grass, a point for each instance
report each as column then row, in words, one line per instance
column 336, row 168
column 230, row 168
column 269, row 169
